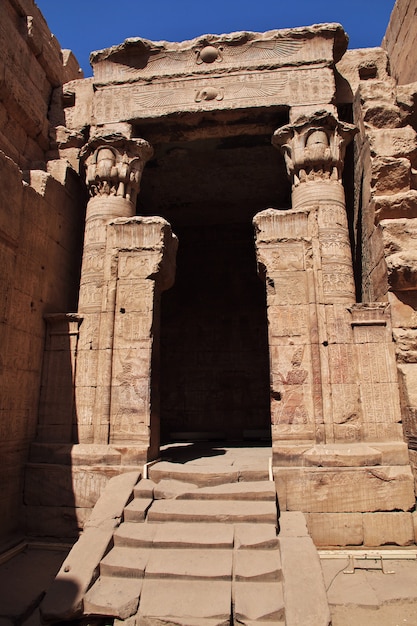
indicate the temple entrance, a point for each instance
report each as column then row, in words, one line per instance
column 214, row 346
column 214, row 367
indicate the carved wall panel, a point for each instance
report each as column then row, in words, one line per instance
column 281, row 87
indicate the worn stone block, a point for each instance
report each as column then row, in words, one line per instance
column 336, row 529
column 346, row 490
column 388, row 528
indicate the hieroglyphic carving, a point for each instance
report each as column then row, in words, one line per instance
column 126, row 102
column 338, row 280
column 283, row 323
column 342, row 363
column 380, row 402
column 334, row 244
column 376, row 363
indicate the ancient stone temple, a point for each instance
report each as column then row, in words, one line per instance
column 208, row 241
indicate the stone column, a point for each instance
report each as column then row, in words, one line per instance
column 314, row 151
column 114, row 167
column 306, row 258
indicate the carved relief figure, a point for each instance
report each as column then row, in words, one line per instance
column 293, row 409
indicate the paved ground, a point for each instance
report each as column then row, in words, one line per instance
column 23, row 582
column 370, row 598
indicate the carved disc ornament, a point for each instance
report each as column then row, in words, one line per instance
column 209, row 54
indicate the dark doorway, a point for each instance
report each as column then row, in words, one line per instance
column 214, row 346
column 214, row 367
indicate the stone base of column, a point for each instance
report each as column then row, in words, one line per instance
column 349, row 492
column 63, row 482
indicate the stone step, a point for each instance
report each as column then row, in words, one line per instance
column 137, row 509
column 255, row 536
column 190, row 564
column 134, row 535
column 212, row 511
column 259, row 601
column 190, row 535
column 196, row 535
column 257, row 566
column 114, row 597
column 125, row 562
column 185, row 602
column 256, row 491
column 203, row 476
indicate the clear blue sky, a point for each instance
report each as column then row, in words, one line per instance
column 86, row 25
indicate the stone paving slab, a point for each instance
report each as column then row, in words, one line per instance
column 181, row 621
column 258, row 622
column 257, row 566
column 235, row 491
column 136, row 510
column 115, row 597
column 212, row 511
column 304, row 590
column 203, row 476
column 190, row 564
column 25, row 578
column 368, row 586
column 189, row 535
column 125, row 562
column 185, row 599
column 261, row 536
column 258, row 601
column 135, row 535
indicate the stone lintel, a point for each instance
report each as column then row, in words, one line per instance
column 138, row 58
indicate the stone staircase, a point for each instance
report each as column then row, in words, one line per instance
column 198, row 546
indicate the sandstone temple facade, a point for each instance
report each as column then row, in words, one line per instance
column 211, row 240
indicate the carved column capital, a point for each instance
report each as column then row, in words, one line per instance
column 314, row 147
column 114, row 165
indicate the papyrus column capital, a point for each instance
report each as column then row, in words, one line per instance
column 314, row 147
column 114, row 165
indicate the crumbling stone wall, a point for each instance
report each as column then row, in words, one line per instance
column 400, row 41
column 386, row 196
column 41, row 211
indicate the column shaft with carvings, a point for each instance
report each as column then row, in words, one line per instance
column 114, row 167
column 306, row 255
column 314, row 150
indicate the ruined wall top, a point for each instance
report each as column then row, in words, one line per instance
column 138, row 58
column 33, row 67
column 400, row 41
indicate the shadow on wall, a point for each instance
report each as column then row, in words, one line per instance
column 49, row 484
